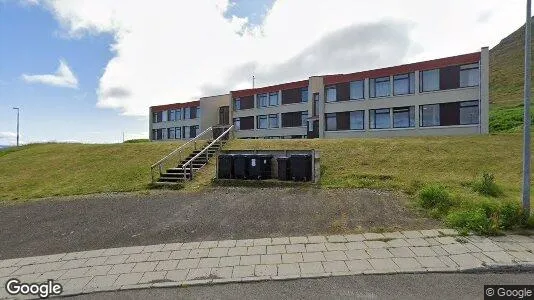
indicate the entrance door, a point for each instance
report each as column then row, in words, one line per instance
column 313, row 129
column 224, row 115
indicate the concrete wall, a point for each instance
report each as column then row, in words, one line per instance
column 484, row 90
column 209, row 110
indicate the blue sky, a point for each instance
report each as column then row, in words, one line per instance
column 32, row 42
column 166, row 51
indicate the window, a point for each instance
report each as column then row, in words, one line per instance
column 273, row 99
column 273, row 121
column 356, row 120
column 304, row 94
column 262, row 122
column 178, row 132
column 170, row 133
column 469, row 112
column 237, row 104
column 429, row 115
column 331, row 93
column 404, row 84
column 171, row 115
column 304, row 118
column 429, row 80
column 315, row 104
column 157, row 134
column 187, row 113
column 379, row 87
column 331, row 122
column 157, row 117
column 356, row 90
column 379, row 118
column 404, row 117
column 178, row 114
column 469, row 75
column 198, row 112
column 237, row 124
column 263, row 100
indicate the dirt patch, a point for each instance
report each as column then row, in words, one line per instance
column 102, row 221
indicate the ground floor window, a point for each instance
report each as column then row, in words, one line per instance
column 451, row 113
column 379, row 118
column 469, row 113
column 356, row 120
column 331, row 122
column 429, row 115
column 157, row 134
column 262, row 122
column 404, row 117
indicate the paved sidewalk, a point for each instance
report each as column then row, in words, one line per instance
column 183, row 264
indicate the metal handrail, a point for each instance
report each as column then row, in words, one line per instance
column 177, row 150
column 189, row 162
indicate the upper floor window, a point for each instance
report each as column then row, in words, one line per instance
column 187, row 113
column 178, row 114
column 198, row 112
column 379, row 118
column 304, row 94
column 356, row 90
column 429, row 80
column 379, row 87
column 171, row 115
column 404, row 117
column 469, row 75
column 263, row 100
column 157, row 117
column 331, row 93
column 237, row 104
column 404, row 84
column 273, row 99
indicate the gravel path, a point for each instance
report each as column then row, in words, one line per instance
column 70, row 224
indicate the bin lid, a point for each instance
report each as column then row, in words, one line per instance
column 300, row 155
column 282, row 158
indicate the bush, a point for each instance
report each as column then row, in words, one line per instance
column 471, row 220
column 133, row 141
column 530, row 222
column 511, row 215
column 487, row 186
column 435, row 198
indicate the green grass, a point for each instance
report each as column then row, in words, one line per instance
column 42, row 170
column 507, row 119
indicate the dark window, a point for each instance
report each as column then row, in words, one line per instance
column 171, row 115
column 379, row 87
column 404, row 84
column 342, row 91
column 331, row 123
column 157, row 117
column 193, row 111
column 343, row 120
column 356, row 90
column 170, row 133
column 449, row 78
column 157, row 134
column 246, row 123
column 404, row 117
column 449, row 114
column 469, row 75
column 315, row 104
column 379, row 118
column 291, row 96
column 429, row 80
column 292, row 119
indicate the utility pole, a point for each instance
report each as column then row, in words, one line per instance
column 18, row 113
column 526, row 116
column 253, row 78
column 123, row 137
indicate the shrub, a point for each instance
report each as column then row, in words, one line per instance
column 530, row 222
column 133, row 141
column 436, row 198
column 474, row 220
column 487, row 186
column 511, row 215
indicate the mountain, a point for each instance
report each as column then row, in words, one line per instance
column 506, row 70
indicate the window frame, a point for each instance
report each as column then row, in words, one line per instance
column 422, row 81
column 331, row 88
column 304, row 120
column 467, row 68
column 272, row 117
column 277, row 96
column 403, row 109
column 329, row 116
column 363, row 119
column 363, row 90
column 410, row 77
column 187, row 113
column 264, row 96
column 466, row 105
column 421, row 111
column 303, row 91
column 373, row 84
column 373, row 113
column 169, row 135
column 258, row 122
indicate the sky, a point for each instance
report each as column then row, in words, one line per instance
column 87, row 71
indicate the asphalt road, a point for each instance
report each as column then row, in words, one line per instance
column 71, row 224
column 400, row 286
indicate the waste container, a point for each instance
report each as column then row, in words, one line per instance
column 283, row 168
column 259, row 166
column 240, row 166
column 225, row 167
column 300, row 167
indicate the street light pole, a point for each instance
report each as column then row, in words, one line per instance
column 18, row 110
column 526, row 116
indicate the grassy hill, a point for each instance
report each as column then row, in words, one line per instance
column 43, row 170
column 506, row 83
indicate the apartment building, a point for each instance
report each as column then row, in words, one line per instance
column 446, row 96
column 175, row 121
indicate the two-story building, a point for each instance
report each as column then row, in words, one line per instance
column 446, row 96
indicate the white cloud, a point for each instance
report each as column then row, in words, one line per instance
column 29, row 2
column 62, row 78
column 177, row 50
column 8, row 138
